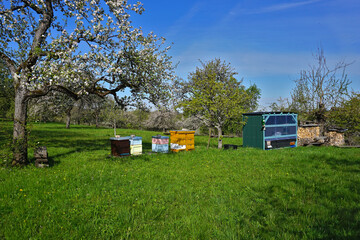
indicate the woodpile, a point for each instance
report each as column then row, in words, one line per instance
column 309, row 131
column 309, row 135
column 336, row 137
column 41, row 157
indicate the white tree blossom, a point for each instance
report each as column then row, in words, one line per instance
column 87, row 45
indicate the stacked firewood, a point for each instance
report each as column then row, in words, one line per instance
column 41, row 157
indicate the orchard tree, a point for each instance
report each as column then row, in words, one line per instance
column 87, row 45
column 52, row 106
column 161, row 119
column 216, row 97
column 281, row 105
column 347, row 115
column 320, row 88
column 95, row 105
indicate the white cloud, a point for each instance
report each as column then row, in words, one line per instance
column 281, row 7
column 240, row 9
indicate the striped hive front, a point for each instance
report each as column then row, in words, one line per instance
column 160, row 144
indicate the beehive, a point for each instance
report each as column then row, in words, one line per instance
column 160, row 144
column 135, row 149
column 182, row 140
column 135, row 145
column 120, row 146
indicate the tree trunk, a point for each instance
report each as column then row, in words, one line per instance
column 209, row 138
column 320, row 117
column 219, row 138
column 68, row 118
column 20, row 157
column 114, row 124
column 96, row 120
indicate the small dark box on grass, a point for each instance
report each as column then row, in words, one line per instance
column 230, row 146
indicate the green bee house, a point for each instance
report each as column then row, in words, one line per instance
column 270, row 130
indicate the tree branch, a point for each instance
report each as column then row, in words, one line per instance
column 9, row 62
column 13, row 9
column 46, row 90
column 39, row 36
column 33, row 6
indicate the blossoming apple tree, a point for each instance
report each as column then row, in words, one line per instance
column 78, row 47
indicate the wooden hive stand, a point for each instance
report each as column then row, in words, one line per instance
column 41, row 157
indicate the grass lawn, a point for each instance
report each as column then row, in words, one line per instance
column 300, row 193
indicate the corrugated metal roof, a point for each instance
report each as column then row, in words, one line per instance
column 262, row 113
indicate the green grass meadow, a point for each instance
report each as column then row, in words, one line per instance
column 298, row 193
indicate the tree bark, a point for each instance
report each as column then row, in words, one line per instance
column 68, row 118
column 209, row 139
column 114, row 125
column 20, row 151
column 96, row 120
column 219, row 137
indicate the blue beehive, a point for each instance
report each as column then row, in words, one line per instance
column 135, row 140
column 160, row 144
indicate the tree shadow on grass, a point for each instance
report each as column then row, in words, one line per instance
column 337, row 222
column 53, row 162
column 126, row 159
column 146, row 146
column 344, row 164
column 346, row 228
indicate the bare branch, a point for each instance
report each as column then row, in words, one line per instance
column 9, row 62
column 39, row 36
column 33, row 6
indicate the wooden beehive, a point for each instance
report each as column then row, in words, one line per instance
column 41, row 157
column 135, row 145
column 135, row 149
column 160, row 144
column 120, row 146
column 182, row 140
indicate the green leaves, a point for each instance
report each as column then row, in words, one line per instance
column 218, row 96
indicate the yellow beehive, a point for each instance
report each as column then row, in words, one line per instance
column 136, row 149
column 182, row 140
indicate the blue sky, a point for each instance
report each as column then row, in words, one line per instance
column 267, row 42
